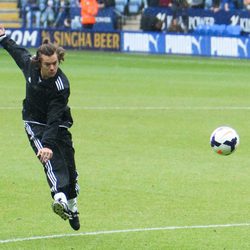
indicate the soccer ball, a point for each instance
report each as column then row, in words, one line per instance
column 224, row 140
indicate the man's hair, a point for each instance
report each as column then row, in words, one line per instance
column 48, row 49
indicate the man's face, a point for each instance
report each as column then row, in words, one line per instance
column 49, row 65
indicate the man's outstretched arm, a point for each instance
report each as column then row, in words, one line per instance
column 19, row 54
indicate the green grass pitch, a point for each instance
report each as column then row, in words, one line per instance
column 141, row 134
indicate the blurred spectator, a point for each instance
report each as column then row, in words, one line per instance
column 75, row 22
column 165, row 3
column 48, row 15
column 33, row 12
column 62, row 13
column 208, row 4
column 106, row 3
column 153, row 3
column 150, row 23
column 175, row 26
column 73, row 3
column 20, row 7
column 118, row 11
column 239, row 4
column 213, row 5
column 89, row 9
column 180, row 13
column 196, row 4
column 228, row 5
column 22, row 13
column 246, row 4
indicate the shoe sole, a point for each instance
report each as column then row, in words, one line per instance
column 59, row 210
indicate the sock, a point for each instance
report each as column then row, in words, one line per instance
column 72, row 204
column 60, row 196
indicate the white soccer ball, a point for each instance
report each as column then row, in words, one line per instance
column 224, row 140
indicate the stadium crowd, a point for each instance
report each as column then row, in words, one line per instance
column 214, row 5
column 57, row 13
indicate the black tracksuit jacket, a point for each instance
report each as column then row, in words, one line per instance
column 46, row 100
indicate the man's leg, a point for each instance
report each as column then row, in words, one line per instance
column 57, row 174
column 69, row 157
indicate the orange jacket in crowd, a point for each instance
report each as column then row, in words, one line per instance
column 89, row 9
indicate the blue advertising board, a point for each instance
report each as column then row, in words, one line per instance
column 25, row 38
column 179, row 44
column 238, row 47
column 142, row 42
column 198, row 17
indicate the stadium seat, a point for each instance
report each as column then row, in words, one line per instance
column 202, row 29
column 234, row 30
column 134, row 6
column 120, row 5
column 218, row 29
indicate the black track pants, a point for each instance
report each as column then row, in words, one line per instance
column 60, row 170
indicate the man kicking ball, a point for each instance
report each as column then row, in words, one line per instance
column 47, row 119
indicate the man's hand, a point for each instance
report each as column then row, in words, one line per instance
column 2, row 30
column 45, row 154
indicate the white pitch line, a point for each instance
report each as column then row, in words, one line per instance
column 146, row 108
column 124, row 231
column 161, row 108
